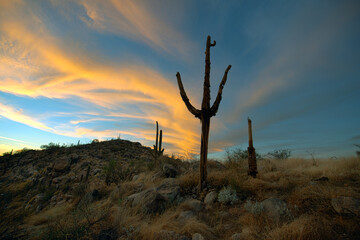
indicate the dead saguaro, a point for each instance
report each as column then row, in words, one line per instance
column 206, row 111
column 251, row 153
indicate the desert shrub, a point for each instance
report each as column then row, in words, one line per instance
column 255, row 208
column 51, row 146
column 227, row 195
column 239, row 154
column 116, row 171
column 281, row 154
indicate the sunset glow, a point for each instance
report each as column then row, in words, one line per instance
column 83, row 70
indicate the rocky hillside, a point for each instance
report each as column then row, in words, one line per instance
column 117, row 190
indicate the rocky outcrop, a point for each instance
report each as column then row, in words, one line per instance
column 169, row 170
column 346, row 205
column 155, row 200
column 210, row 198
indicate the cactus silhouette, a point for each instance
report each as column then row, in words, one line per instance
column 206, row 111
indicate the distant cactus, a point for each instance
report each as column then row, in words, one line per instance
column 158, row 143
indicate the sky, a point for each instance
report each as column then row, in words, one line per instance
column 95, row 69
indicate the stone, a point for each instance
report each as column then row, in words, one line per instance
column 96, row 171
column 236, row 236
column 194, row 205
column 185, row 215
column 150, row 200
column 197, row 236
column 135, row 177
column 346, row 205
column 61, row 165
column 62, row 179
column 277, row 209
column 169, row 189
column 170, row 235
column 210, row 198
column 169, row 170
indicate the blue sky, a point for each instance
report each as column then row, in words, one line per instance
column 80, row 70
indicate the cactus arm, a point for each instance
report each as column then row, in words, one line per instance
column 216, row 104
column 206, row 95
column 186, row 100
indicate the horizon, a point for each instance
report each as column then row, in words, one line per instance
column 87, row 70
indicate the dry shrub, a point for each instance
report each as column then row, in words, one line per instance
column 257, row 225
column 304, row 228
column 218, row 179
column 193, row 226
column 48, row 215
column 189, row 181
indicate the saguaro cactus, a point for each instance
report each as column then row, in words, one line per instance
column 157, row 147
column 206, row 111
column 251, row 153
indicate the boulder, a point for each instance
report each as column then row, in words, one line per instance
column 236, row 236
column 210, row 198
column 197, row 236
column 346, row 205
column 150, row 200
column 277, row 209
column 194, row 205
column 169, row 189
column 61, row 165
column 185, row 215
column 169, row 170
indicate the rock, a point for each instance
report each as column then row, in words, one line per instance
column 197, row 236
column 210, row 198
column 322, row 179
column 277, row 209
column 346, row 205
column 135, row 177
column 150, row 200
column 194, row 205
column 185, row 215
column 62, row 179
column 96, row 171
column 169, row 170
column 90, row 197
column 170, row 235
column 169, row 189
column 61, row 165
column 236, row 236
column 38, row 208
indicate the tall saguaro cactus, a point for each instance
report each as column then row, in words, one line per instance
column 206, row 111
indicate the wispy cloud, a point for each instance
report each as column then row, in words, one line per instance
column 35, row 64
column 132, row 19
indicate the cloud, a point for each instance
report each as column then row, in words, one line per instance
column 135, row 20
column 18, row 116
column 34, row 63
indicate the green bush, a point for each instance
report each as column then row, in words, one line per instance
column 239, row 154
column 50, row 146
column 116, row 171
column 227, row 195
column 255, row 208
column 281, row 154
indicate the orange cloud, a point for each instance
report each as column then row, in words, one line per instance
column 35, row 64
column 134, row 20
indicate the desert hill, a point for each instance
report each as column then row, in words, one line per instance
column 117, row 189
